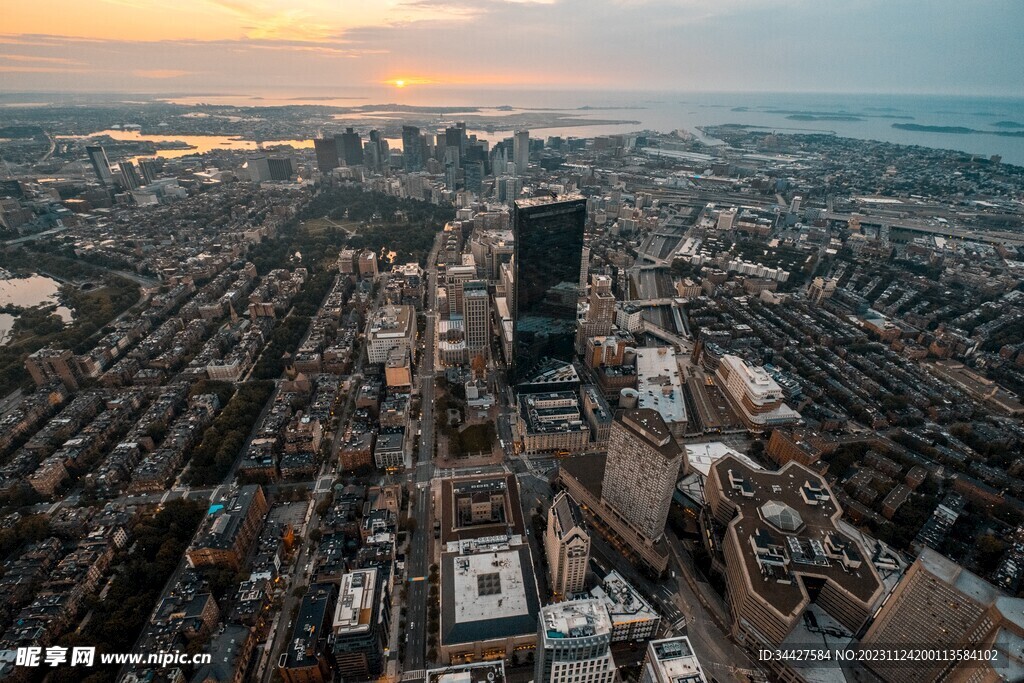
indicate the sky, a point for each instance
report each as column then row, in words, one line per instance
column 969, row 47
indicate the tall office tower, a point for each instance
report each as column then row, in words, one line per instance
column 361, row 624
column 412, row 148
column 455, row 280
column 350, row 147
column 149, row 170
column 641, row 470
column 521, row 150
column 567, row 546
column 499, row 158
column 476, row 307
column 939, row 604
column 600, row 312
column 573, row 643
column 455, row 136
column 473, row 176
column 548, row 249
column 270, row 168
column 326, row 154
column 375, row 151
column 671, row 660
column 584, row 267
column 508, row 188
column 132, row 181
column 100, row 164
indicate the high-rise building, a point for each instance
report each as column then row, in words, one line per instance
column 820, row 289
column 473, row 176
column 785, row 548
column 573, row 643
column 326, row 154
column 132, row 181
column 641, row 471
column 584, row 268
column 939, row 604
column 548, row 250
column 521, row 151
column 476, row 313
column 100, row 164
column 376, row 152
column 270, row 168
column 455, row 280
column 47, row 365
column 412, row 148
column 600, row 311
column 149, row 170
column 567, row 546
column 671, row 660
column 350, row 147
column 361, row 624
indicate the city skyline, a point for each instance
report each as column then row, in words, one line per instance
column 387, row 47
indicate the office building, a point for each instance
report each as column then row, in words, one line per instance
column 567, row 547
column 455, row 278
column 600, row 317
column 726, row 219
column 326, row 150
column 129, row 175
column 413, row 148
column 573, row 643
column 390, row 327
column 671, row 660
column 786, row 549
column 521, row 151
column 489, row 599
column 350, row 147
column 368, row 265
column 100, row 164
column 476, row 307
column 633, row 617
column 361, row 624
column 304, row 659
column 548, row 251
column 939, row 604
column 478, row 672
column 641, row 471
column 756, row 397
column 148, row 167
column 262, row 169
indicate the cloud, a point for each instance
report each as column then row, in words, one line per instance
column 37, row 58
column 160, row 73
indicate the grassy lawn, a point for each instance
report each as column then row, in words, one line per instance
column 476, row 438
column 318, row 226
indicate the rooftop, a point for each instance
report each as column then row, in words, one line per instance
column 676, row 660
column 659, row 383
column 576, row 619
column 354, row 611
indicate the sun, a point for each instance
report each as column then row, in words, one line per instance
column 399, row 83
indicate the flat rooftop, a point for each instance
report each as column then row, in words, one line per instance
column 453, row 488
column 488, row 595
column 676, row 660
column 354, row 611
column 479, row 672
column 786, row 529
column 576, row 619
column 701, row 456
column 659, row 383
column 625, row 603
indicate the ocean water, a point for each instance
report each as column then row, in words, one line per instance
column 863, row 116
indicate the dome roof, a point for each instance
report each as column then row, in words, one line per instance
column 781, row 516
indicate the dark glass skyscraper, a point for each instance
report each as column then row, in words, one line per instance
column 326, row 154
column 350, row 147
column 412, row 148
column 548, row 253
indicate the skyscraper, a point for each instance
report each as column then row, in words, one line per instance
column 149, row 170
column 939, row 604
column 476, row 306
column 548, row 251
column 326, row 154
column 567, row 546
column 412, row 148
column 132, row 181
column 100, row 164
column 573, row 643
column 350, row 147
column 600, row 311
column 521, row 150
column 641, row 470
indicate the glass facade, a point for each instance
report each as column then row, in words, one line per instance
column 548, row 253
